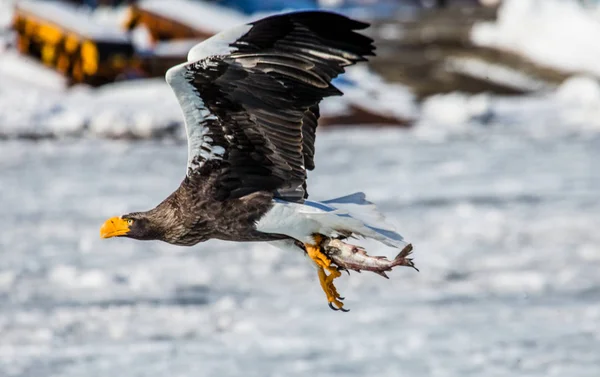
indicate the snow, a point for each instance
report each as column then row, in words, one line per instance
column 122, row 109
column 504, row 228
column 197, row 14
column 571, row 110
column 556, row 33
column 34, row 102
column 6, row 12
column 175, row 48
column 29, row 73
column 495, row 73
column 365, row 89
column 77, row 19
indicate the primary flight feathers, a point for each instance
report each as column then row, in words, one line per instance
column 250, row 98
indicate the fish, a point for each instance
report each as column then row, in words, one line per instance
column 351, row 257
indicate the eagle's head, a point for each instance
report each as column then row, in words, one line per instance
column 137, row 225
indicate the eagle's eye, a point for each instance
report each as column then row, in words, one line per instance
column 129, row 222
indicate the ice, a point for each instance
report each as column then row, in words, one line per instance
column 144, row 108
column 198, row 14
column 554, row 33
column 28, row 73
column 570, row 110
column 496, row 73
column 175, row 48
column 503, row 225
column 74, row 18
column 6, row 11
column 371, row 92
column 35, row 102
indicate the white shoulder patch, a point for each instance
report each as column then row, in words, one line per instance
column 175, row 75
column 218, row 44
column 195, row 114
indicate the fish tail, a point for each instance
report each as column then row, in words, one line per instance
column 402, row 258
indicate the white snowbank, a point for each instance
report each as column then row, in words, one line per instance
column 34, row 102
column 370, row 91
column 197, row 14
column 5, row 14
column 140, row 109
column 28, row 91
column 29, row 72
column 77, row 19
column 555, row 33
column 143, row 108
column 495, row 73
column 573, row 109
column 175, row 48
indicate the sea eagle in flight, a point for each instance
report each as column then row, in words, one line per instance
column 250, row 99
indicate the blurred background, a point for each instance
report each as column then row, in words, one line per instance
column 475, row 129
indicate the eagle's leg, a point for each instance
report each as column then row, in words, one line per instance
column 324, row 263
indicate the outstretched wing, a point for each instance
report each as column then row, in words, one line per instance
column 250, row 98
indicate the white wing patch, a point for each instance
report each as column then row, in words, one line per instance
column 195, row 115
column 218, row 44
column 301, row 221
column 194, row 110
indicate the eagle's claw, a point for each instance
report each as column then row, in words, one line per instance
column 336, row 309
column 323, row 263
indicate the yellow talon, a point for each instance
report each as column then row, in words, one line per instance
column 315, row 253
column 324, row 263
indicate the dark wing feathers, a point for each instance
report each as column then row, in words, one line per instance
column 265, row 95
column 309, row 128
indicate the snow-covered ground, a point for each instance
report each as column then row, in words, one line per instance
column 561, row 34
column 504, row 225
column 572, row 109
column 34, row 102
column 214, row 18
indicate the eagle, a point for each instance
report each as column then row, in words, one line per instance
column 250, row 100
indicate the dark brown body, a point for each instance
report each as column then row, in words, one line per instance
column 191, row 214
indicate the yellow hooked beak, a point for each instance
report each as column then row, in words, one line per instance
column 113, row 227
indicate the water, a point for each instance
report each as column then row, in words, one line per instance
column 505, row 229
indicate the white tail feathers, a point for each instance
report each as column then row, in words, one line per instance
column 351, row 214
column 360, row 208
column 372, row 222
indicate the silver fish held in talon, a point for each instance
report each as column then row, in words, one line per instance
column 352, row 257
